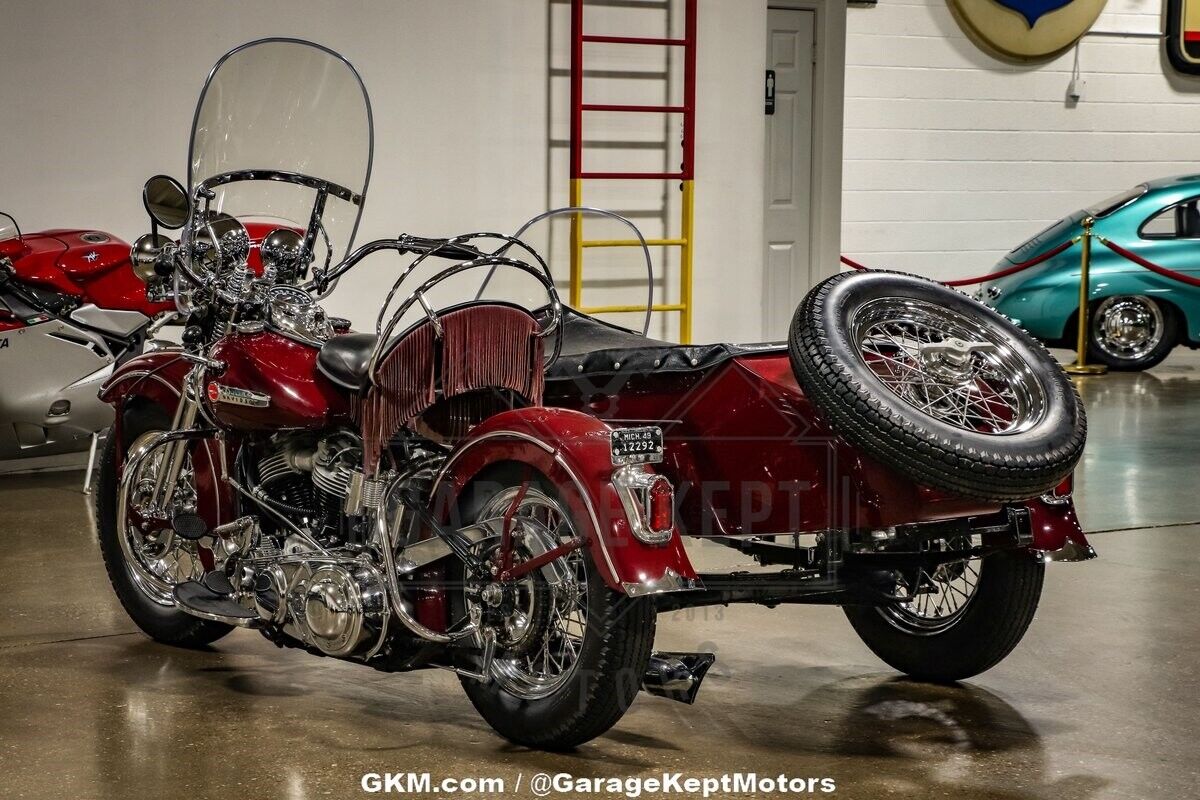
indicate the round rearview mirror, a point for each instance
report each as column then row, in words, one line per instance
column 166, row 201
column 144, row 255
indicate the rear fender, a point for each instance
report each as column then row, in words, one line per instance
column 573, row 451
column 1057, row 534
column 156, row 379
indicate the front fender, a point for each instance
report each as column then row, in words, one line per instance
column 573, row 451
column 156, row 379
column 156, row 376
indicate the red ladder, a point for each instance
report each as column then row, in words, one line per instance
column 685, row 175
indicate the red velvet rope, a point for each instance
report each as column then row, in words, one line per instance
column 1150, row 265
column 1015, row 268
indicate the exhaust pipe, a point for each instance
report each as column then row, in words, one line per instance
column 676, row 676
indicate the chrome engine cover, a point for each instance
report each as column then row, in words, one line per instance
column 338, row 607
column 333, row 610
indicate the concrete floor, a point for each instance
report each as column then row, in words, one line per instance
column 1101, row 699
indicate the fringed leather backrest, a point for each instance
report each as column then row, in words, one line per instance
column 485, row 346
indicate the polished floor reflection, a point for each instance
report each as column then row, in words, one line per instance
column 1101, row 700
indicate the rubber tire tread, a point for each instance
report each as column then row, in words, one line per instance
column 616, row 650
column 998, row 468
column 1010, row 585
column 162, row 624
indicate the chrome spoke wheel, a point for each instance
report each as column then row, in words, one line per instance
column 937, row 599
column 948, row 366
column 1128, row 327
column 157, row 559
column 542, row 637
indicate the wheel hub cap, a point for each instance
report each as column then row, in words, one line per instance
column 1128, row 327
column 541, row 626
column 950, row 358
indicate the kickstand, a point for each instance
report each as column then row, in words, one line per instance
column 87, row 477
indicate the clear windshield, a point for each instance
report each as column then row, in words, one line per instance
column 278, row 108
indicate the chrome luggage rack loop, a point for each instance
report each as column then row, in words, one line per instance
column 453, row 248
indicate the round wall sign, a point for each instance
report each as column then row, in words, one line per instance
column 1026, row 29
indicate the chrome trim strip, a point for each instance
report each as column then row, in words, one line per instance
column 143, row 374
column 671, row 581
column 632, row 483
column 558, row 459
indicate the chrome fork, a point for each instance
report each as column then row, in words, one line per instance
column 172, row 463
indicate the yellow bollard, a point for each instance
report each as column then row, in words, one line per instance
column 1081, row 367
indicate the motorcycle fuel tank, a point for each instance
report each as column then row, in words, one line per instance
column 271, row 382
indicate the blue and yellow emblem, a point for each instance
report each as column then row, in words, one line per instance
column 1026, row 29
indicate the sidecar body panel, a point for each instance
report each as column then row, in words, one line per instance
column 746, row 450
column 749, row 455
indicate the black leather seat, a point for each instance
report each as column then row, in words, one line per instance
column 591, row 347
column 344, row 359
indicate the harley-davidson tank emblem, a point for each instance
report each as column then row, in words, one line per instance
column 234, row 396
column 1026, row 29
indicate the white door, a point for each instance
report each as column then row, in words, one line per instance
column 791, row 48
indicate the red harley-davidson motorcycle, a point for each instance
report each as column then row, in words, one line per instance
column 70, row 310
column 505, row 492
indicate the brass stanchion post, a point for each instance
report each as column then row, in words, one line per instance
column 1081, row 367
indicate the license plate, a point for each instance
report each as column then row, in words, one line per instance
column 637, row 445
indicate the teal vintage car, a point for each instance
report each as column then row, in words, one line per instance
column 1136, row 316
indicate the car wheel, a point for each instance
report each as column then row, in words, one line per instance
column 936, row 385
column 962, row 619
column 1131, row 332
column 140, row 569
column 571, row 655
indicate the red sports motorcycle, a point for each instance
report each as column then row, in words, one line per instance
column 504, row 492
column 70, row 309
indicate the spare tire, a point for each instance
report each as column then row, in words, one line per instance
column 932, row 383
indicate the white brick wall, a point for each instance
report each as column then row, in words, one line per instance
column 953, row 157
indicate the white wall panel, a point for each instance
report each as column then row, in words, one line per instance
column 952, row 157
column 99, row 95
